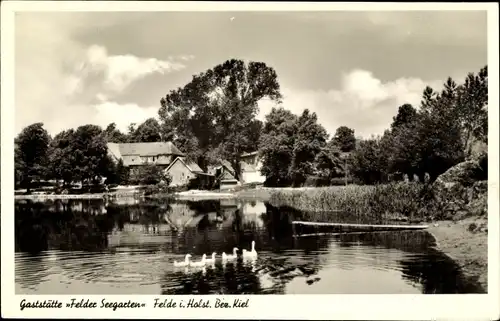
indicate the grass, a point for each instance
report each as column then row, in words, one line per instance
column 395, row 201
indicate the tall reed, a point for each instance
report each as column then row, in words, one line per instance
column 379, row 202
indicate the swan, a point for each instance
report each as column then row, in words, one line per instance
column 199, row 263
column 212, row 260
column 251, row 253
column 230, row 256
column 183, row 263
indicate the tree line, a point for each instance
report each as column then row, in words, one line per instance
column 78, row 155
column 213, row 118
column 447, row 128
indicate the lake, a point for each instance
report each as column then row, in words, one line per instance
column 128, row 247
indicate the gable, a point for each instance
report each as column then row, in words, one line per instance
column 191, row 166
column 226, row 176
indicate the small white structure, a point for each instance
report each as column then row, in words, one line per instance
column 250, row 168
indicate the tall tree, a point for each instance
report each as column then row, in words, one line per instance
column 328, row 162
column 90, row 151
column 310, row 139
column 366, row 160
column 276, row 147
column 209, row 117
column 472, row 109
column 114, row 135
column 147, row 132
column 406, row 114
column 31, row 155
column 62, row 157
column 344, row 138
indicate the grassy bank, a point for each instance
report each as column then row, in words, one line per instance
column 458, row 214
column 381, row 202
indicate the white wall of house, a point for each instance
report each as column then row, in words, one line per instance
column 180, row 174
column 253, row 177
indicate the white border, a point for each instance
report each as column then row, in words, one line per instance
column 369, row 307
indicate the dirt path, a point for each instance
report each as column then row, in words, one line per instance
column 468, row 249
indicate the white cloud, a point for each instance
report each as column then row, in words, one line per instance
column 121, row 70
column 122, row 114
column 363, row 102
column 65, row 84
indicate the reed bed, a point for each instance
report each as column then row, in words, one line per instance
column 389, row 202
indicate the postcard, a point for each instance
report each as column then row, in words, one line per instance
column 245, row 160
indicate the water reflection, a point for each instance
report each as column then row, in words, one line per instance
column 118, row 247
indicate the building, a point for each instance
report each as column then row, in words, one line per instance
column 134, row 155
column 165, row 155
column 250, row 172
column 225, row 175
column 250, row 169
column 182, row 171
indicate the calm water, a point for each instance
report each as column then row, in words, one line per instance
column 98, row 247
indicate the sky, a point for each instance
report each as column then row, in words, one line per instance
column 351, row 68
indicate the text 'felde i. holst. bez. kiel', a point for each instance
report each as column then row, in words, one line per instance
column 201, row 303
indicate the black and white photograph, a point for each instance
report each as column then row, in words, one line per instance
column 229, row 152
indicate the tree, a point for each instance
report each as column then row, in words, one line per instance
column 310, row 140
column 147, row 132
column 19, row 166
column 367, row 163
column 90, row 153
column 213, row 116
column 276, row 146
column 62, row 157
column 344, row 138
column 406, row 114
column 328, row 162
column 472, row 109
column 438, row 144
column 122, row 173
column 113, row 135
column 151, row 175
column 31, row 154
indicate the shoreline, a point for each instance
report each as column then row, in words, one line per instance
column 468, row 249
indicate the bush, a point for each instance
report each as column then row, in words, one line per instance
column 150, row 175
column 315, row 181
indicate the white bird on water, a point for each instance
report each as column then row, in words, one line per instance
column 232, row 18
column 199, row 263
column 226, row 257
column 211, row 260
column 252, row 253
column 183, row 263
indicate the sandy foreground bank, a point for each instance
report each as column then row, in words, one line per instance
column 468, row 249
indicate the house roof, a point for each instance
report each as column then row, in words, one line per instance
column 228, row 166
column 146, row 149
column 191, row 166
column 114, row 150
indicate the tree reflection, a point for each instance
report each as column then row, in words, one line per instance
column 176, row 228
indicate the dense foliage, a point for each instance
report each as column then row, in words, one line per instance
column 149, row 175
column 213, row 118
column 440, row 134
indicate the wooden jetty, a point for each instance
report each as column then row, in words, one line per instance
column 303, row 227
